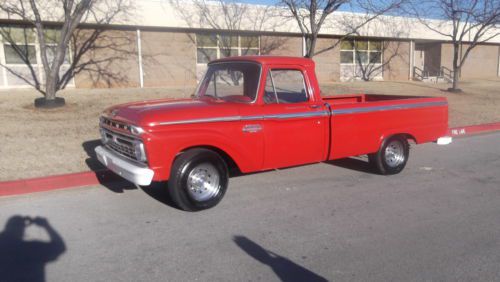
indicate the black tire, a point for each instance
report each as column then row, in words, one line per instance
column 392, row 156
column 193, row 169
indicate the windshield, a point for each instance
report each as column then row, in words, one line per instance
column 232, row 81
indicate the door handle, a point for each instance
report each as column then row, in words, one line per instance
column 252, row 128
column 314, row 106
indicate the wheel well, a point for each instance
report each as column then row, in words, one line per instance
column 411, row 139
column 231, row 164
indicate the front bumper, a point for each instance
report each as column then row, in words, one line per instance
column 133, row 172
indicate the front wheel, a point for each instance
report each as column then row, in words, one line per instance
column 198, row 180
column 392, row 156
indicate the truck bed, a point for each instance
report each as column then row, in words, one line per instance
column 359, row 122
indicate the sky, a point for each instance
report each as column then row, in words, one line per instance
column 266, row 2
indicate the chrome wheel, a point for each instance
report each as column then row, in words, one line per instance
column 203, row 182
column 394, row 153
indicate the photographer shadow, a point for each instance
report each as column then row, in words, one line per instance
column 22, row 260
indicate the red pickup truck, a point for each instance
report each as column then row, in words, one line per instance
column 258, row 113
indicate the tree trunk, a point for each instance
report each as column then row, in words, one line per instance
column 456, row 68
column 50, row 100
column 456, row 76
column 50, row 87
column 311, row 46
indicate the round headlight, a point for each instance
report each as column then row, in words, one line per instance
column 136, row 130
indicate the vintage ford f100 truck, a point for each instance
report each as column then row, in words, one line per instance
column 259, row 113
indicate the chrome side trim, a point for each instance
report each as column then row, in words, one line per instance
column 297, row 115
column 199, row 120
column 387, row 108
column 245, row 118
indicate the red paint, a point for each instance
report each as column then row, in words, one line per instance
column 473, row 129
column 281, row 142
column 42, row 184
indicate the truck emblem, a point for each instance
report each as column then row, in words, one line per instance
column 114, row 112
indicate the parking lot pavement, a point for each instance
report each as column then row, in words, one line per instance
column 438, row 220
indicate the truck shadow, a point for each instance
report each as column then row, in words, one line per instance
column 285, row 269
column 106, row 178
column 159, row 192
column 354, row 163
column 91, row 161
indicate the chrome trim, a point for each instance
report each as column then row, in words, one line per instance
column 252, row 128
column 199, row 120
column 120, row 126
column 134, row 172
column 297, row 115
column 246, row 118
column 386, row 108
column 132, row 147
column 304, row 114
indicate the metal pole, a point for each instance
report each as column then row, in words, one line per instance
column 412, row 58
column 139, row 55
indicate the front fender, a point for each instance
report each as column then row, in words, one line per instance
column 246, row 150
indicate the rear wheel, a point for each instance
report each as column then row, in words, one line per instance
column 392, row 156
column 198, row 180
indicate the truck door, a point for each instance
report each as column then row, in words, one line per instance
column 295, row 126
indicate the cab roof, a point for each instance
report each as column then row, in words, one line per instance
column 268, row 60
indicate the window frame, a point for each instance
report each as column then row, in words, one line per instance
column 38, row 50
column 200, row 84
column 218, row 44
column 304, row 84
column 355, row 52
column 21, row 44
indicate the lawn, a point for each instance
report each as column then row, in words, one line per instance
column 39, row 143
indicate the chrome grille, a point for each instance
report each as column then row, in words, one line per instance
column 115, row 124
column 119, row 143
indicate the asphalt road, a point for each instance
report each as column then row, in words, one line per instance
column 439, row 220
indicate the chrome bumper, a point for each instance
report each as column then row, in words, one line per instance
column 133, row 172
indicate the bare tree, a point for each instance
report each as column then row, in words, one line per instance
column 230, row 18
column 312, row 15
column 55, row 25
column 466, row 23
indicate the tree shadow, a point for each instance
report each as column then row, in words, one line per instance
column 354, row 163
column 284, row 268
column 22, row 260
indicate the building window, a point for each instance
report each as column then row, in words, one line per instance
column 215, row 46
column 17, row 54
column 362, row 52
column 20, row 44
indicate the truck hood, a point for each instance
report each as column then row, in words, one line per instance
column 151, row 113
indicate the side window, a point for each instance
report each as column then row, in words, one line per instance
column 289, row 86
column 269, row 93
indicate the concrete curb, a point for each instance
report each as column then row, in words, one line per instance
column 88, row 178
column 473, row 129
column 56, row 182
